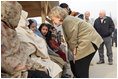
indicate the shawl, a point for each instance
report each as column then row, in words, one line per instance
column 36, row 46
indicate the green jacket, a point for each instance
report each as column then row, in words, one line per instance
column 80, row 34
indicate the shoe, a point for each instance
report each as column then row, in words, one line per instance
column 110, row 63
column 100, row 62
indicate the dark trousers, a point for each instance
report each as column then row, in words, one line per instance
column 37, row 74
column 81, row 67
column 107, row 43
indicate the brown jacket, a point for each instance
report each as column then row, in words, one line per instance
column 79, row 33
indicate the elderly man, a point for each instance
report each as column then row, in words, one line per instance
column 86, row 18
column 104, row 26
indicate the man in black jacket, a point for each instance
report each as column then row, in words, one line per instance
column 104, row 26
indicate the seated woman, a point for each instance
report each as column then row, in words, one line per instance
column 45, row 31
column 35, row 46
column 14, row 60
column 33, row 26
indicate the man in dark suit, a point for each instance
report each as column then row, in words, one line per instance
column 104, row 26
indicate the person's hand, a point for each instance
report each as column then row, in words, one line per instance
column 59, row 48
column 74, row 59
column 57, row 55
column 74, row 54
column 20, row 67
column 45, row 70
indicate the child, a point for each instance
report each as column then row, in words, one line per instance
column 55, row 46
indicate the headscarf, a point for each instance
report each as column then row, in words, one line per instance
column 36, row 30
column 28, row 36
column 11, row 56
column 10, row 13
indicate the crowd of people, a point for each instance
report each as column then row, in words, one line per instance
column 31, row 52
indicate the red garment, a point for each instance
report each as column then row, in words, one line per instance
column 55, row 45
column 61, row 54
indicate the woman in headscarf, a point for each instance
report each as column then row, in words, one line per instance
column 14, row 59
column 35, row 46
column 33, row 22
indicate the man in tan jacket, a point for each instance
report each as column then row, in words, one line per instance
column 82, row 40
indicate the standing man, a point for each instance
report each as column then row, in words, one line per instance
column 104, row 26
column 86, row 18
